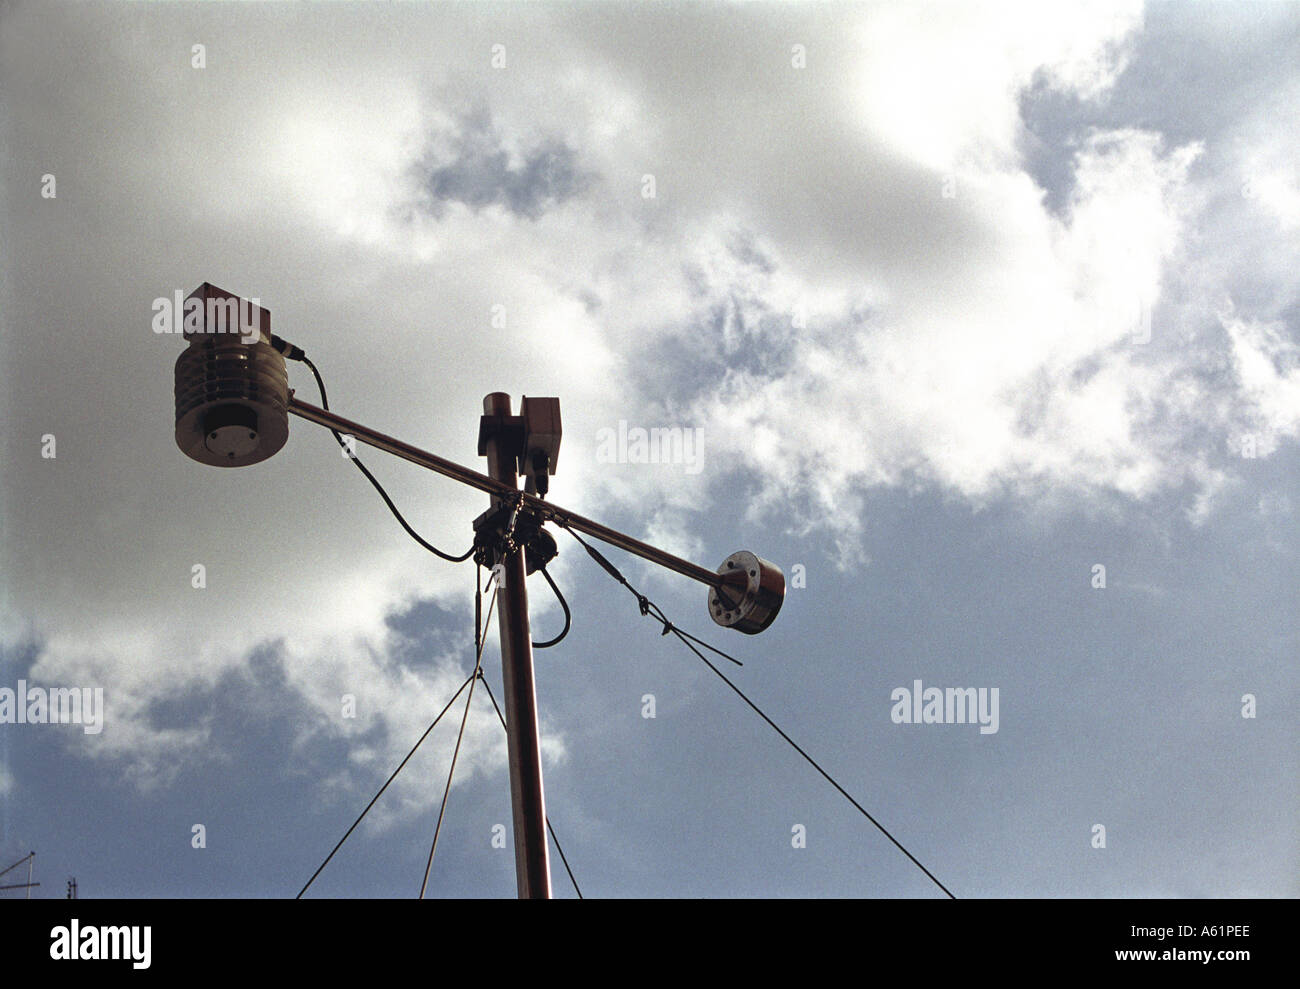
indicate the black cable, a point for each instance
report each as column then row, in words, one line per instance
column 488, row 687
column 379, row 487
column 643, row 602
column 568, row 617
column 646, row 605
column 384, row 787
column 476, row 676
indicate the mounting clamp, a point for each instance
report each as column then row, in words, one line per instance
column 501, row 530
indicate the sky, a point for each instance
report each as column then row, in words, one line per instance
column 984, row 316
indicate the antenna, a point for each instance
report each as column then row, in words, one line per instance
column 232, row 408
column 29, row 858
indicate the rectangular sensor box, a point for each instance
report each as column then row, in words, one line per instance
column 542, row 428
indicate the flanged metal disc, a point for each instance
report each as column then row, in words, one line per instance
column 752, row 595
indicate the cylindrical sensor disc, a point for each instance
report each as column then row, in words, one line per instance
column 232, row 401
column 751, row 595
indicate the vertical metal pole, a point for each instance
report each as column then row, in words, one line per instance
column 30, row 860
column 532, row 857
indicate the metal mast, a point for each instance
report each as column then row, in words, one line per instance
column 503, row 443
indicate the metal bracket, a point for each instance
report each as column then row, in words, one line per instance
column 508, row 430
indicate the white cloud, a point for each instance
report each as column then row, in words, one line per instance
column 1268, row 369
column 939, row 81
column 1021, row 368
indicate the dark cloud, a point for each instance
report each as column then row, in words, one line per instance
column 479, row 172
